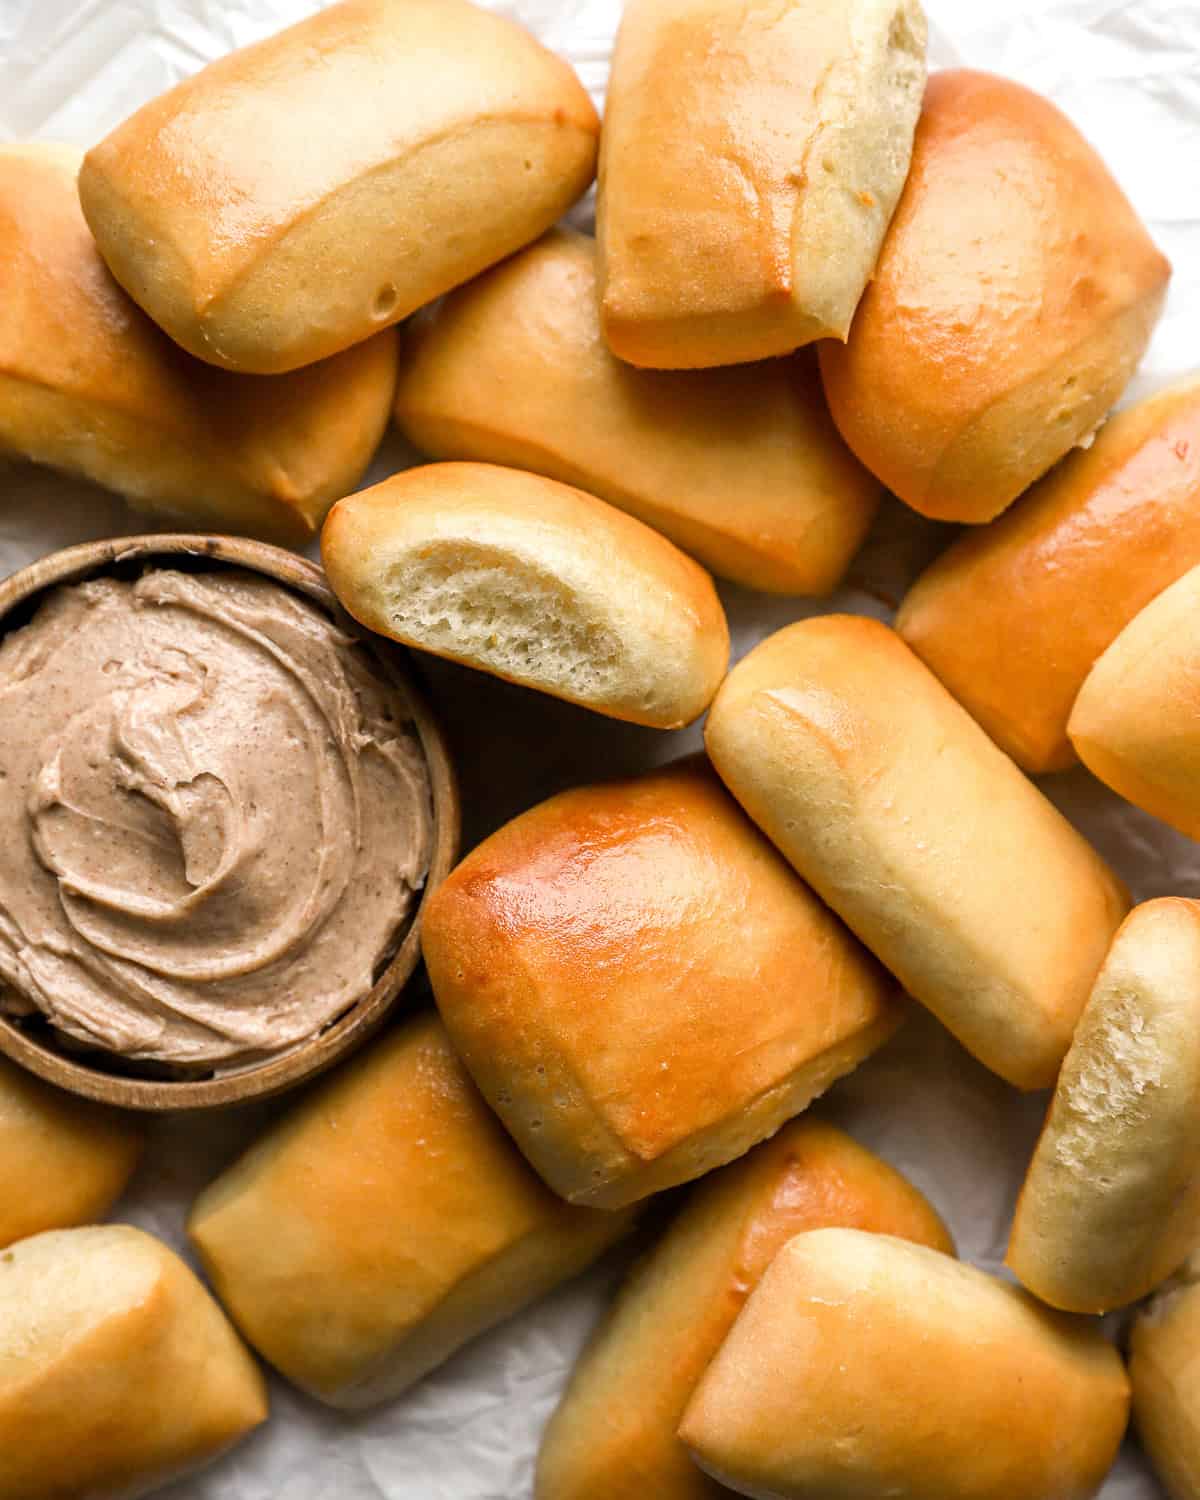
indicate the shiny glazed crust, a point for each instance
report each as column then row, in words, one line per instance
column 535, row 582
column 640, row 986
column 613, row 1434
column 743, row 468
column 811, row 1395
column 261, row 241
column 982, row 899
column 383, row 1223
column 90, row 386
column 752, row 156
column 1012, row 616
column 1014, row 296
column 1111, row 1201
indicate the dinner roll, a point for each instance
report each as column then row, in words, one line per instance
column 1166, row 1396
column 63, row 1161
column 753, row 152
column 384, row 1222
column 1111, row 1201
column 743, row 468
column 1014, row 295
column 1136, row 722
column 865, row 1368
column 118, row 1372
column 534, row 582
column 640, row 986
column 613, row 1436
column 1012, row 616
column 90, row 386
column 924, row 837
column 298, row 195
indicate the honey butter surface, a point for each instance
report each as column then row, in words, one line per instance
column 213, row 821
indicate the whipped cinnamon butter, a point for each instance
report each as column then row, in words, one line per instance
column 212, row 822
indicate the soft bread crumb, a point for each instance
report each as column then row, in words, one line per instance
column 1123, row 1062
column 486, row 605
column 904, row 86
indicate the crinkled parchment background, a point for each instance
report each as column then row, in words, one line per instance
column 1128, row 72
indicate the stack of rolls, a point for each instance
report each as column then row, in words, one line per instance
column 212, row 244
column 817, row 275
column 1013, row 616
column 90, row 386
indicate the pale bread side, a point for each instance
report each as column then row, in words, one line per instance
column 384, row 1222
column 613, row 1433
column 118, row 1371
column 812, row 1395
column 953, row 868
column 263, row 239
column 752, row 157
column 1111, row 1201
column 1134, row 723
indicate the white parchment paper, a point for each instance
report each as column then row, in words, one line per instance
column 1128, row 72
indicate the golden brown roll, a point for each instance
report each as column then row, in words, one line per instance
column 640, row 986
column 1111, row 1201
column 924, row 837
column 752, row 155
column 63, row 1161
column 743, row 468
column 613, row 1436
column 1014, row 296
column 864, row 1366
column 535, row 582
column 118, row 1372
column 1013, row 615
column 90, row 386
column 383, row 1223
column 1136, row 722
column 1166, row 1397
column 303, row 193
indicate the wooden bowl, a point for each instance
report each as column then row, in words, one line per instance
column 31, row 1042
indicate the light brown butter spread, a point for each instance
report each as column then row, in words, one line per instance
column 212, row 822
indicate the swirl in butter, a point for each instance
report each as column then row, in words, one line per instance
column 213, row 820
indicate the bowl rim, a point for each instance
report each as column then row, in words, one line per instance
column 356, row 1025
